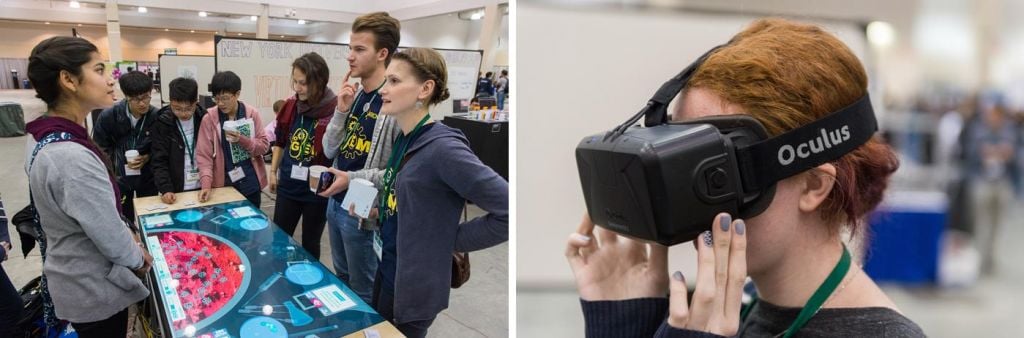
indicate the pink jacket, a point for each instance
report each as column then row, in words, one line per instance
column 208, row 149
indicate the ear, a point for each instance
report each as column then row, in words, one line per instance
column 68, row 81
column 818, row 184
column 426, row 90
column 382, row 54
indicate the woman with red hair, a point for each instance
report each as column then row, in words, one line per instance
column 785, row 75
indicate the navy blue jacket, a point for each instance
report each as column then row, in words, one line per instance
column 439, row 175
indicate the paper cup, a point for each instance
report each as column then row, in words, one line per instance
column 314, row 176
column 130, row 157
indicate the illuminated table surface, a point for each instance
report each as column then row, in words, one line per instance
column 223, row 269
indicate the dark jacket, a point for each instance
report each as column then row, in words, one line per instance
column 168, row 149
column 440, row 173
column 114, row 132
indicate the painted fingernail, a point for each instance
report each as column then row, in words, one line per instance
column 678, row 276
column 707, row 238
column 581, row 237
column 724, row 222
column 740, row 227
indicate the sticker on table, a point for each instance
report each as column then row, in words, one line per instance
column 220, row 219
column 263, row 327
column 254, row 224
column 157, row 221
column 303, row 273
column 241, row 212
column 330, row 300
column 189, row 216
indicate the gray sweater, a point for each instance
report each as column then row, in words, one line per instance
column 384, row 133
column 90, row 248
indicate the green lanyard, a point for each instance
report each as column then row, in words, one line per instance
column 138, row 130
column 391, row 174
column 189, row 148
column 818, row 299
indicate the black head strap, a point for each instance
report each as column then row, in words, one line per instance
column 822, row 141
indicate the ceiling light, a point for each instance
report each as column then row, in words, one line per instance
column 47, row 22
column 202, row 14
column 282, row 36
column 476, row 16
column 881, row 34
column 253, row 18
column 75, row 4
column 143, row 9
column 166, row 30
column 239, row 34
column 302, row 22
column 192, row 31
column 79, row 25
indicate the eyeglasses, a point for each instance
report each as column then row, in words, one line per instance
column 223, row 97
column 145, row 98
column 183, row 110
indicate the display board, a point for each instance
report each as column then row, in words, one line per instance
column 225, row 270
column 198, row 67
column 265, row 69
column 463, row 67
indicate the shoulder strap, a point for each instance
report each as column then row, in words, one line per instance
column 49, row 315
column 49, row 138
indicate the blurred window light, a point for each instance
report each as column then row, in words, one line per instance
column 881, row 34
column 75, row 4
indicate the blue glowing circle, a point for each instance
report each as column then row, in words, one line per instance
column 253, row 224
column 304, row 274
column 263, row 327
column 189, row 216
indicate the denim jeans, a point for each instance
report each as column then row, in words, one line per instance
column 355, row 261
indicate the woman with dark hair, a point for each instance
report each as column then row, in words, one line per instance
column 785, row 75
column 89, row 263
column 301, row 124
column 229, row 157
column 430, row 175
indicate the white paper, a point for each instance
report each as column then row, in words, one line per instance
column 361, row 193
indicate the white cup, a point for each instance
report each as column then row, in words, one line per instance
column 230, row 126
column 314, row 176
column 130, row 157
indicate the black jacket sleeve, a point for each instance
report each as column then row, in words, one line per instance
column 161, row 157
column 639, row 317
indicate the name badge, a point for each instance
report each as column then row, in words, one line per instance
column 378, row 244
column 299, row 172
column 191, row 177
column 236, row 174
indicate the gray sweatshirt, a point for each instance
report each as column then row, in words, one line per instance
column 90, row 250
column 384, row 133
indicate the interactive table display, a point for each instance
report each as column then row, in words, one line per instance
column 222, row 269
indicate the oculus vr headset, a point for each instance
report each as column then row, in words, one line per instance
column 665, row 182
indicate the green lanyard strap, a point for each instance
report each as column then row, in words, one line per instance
column 391, row 174
column 138, row 129
column 189, row 148
column 817, row 299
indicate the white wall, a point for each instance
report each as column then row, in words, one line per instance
column 591, row 74
column 441, row 31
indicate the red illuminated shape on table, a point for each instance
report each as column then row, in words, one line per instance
column 206, row 270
